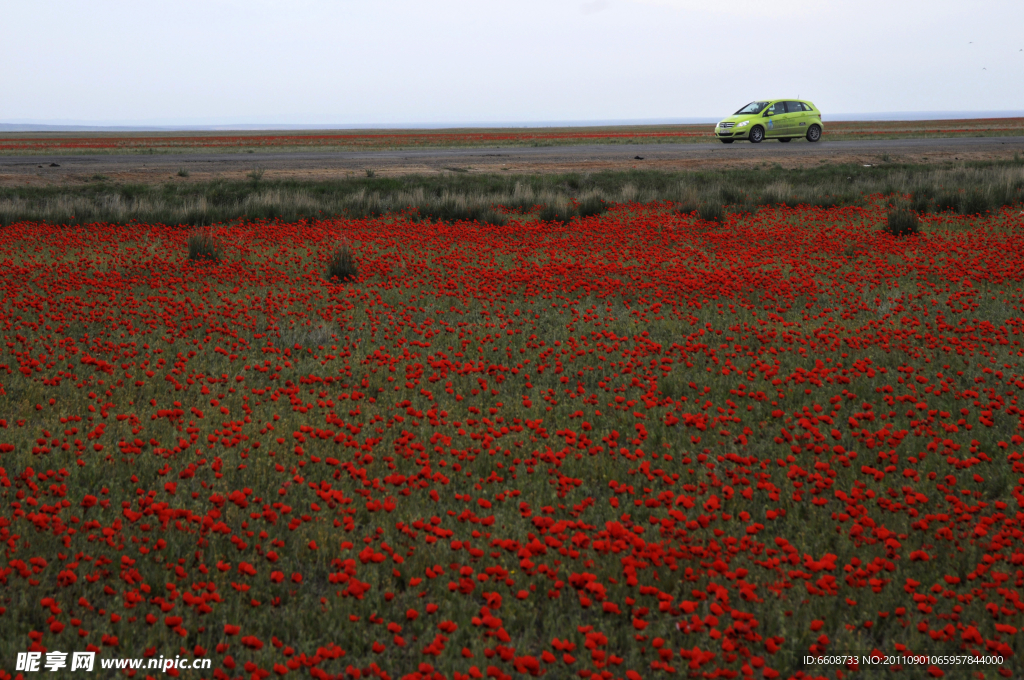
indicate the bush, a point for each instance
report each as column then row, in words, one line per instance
column 974, row 203
column 732, row 195
column 711, row 211
column 341, row 265
column 746, row 207
column 203, row 246
column 557, row 213
column 948, row 200
column 1005, row 195
column 687, row 204
column 818, row 200
column 920, row 203
column 452, row 209
column 902, row 221
column 492, row 217
column 591, row 206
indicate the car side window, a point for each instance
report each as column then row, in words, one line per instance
column 794, row 107
column 777, row 108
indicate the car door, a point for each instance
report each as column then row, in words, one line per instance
column 796, row 119
column 775, row 124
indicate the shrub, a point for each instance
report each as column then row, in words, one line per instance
column 920, row 203
column 974, row 203
column 948, row 200
column 591, row 206
column 686, row 207
column 455, row 209
column 362, row 210
column 733, row 194
column 902, row 221
column 817, row 200
column 557, row 213
column 746, row 207
column 711, row 211
column 1005, row 195
column 689, row 201
column 341, row 265
column 493, row 217
column 778, row 192
column 204, row 246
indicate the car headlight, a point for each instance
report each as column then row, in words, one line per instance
column 746, row 122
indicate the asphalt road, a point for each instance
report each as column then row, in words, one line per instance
column 320, row 164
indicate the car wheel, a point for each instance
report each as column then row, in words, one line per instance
column 728, row 141
column 813, row 133
column 785, row 139
column 757, row 134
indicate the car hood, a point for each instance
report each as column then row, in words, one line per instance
column 740, row 119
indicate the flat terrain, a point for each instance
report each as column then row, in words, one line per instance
column 565, row 418
column 110, row 142
column 636, row 443
column 60, row 167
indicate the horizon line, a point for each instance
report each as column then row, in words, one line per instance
column 65, row 125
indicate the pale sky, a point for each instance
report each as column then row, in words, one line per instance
column 449, row 61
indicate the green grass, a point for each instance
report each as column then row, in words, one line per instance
column 964, row 188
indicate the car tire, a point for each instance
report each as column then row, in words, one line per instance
column 757, row 135
column 813, row 133
column 728, row 141
column 785, row 139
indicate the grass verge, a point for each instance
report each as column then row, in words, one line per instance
column 964, row 188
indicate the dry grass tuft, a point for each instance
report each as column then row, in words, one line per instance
column 342, row 265
column 204, row 246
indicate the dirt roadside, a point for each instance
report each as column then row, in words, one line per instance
column 318, row 166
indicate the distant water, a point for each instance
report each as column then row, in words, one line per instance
column 923, row 115
column 74, row 126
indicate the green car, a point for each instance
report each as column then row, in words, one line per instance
column 781, row 119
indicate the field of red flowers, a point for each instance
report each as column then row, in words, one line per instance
column 354, row 140
column 631, row 446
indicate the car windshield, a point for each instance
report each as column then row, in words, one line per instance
column 751, row 108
